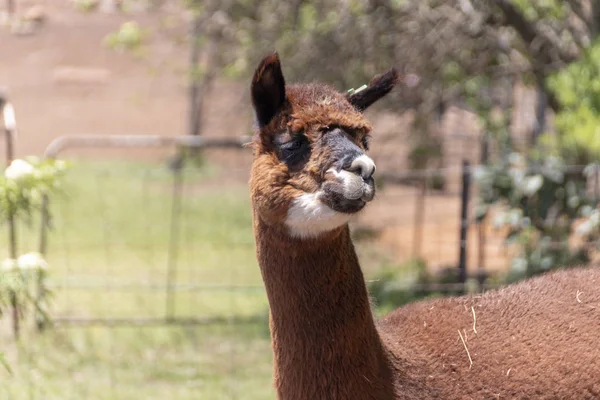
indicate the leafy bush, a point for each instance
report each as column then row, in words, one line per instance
column 24, row 184
column 22, row 188
column 24, row 279
column 86, row 5
column 395, row 286
column 577, row 88
column 129, row 37
column 539, row 203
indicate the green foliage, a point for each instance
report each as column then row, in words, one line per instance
column 395, row 286
column 194, row 5
column 86, row 5
column 579, row 83
column 577, row 88
column 541, row 200
column 4, row 363
column 543, row 9
column 578, row 136
column 426, row 147
column 129, row 37
column 539, row 204
column 235, row 69
column 24, row 184
column 23, row 279
column 22, row 188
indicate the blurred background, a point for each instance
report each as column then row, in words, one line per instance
column 129, row 269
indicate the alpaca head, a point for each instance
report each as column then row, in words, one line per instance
column 311, row 173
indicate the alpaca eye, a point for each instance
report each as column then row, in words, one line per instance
column 292, row 145
column 294, row 151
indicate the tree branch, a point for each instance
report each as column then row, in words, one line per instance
column 543, row 51
column 578, row 10
column 595, row 20
column 530, row 34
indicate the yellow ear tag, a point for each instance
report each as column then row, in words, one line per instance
column 360, row 89
column 352, row 91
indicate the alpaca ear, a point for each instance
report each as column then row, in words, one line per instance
column 379, row 86
column 268, row 89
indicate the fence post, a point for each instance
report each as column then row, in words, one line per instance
column 201, row 85
column 419, row 217
column 481, row 224
column 12, row 235
column 41, row 320
column 195, row 100
column 8, row 116
column 464, row 223
column 177, row 168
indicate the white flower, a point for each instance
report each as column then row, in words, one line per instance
column 590, row 224
column 32, row 261
column 595, row 217
column 590, row 169
column 499, row 220
column 18, row 169
column 60, row 165
column 515, row 159
column 532, row 184
column 516, row 175
column 586, row 210
column 546, row 262
column 479, row 173
column 514, row 217
column 585, row 228
column 8, row 265
column 573, row 201
column 519, row 265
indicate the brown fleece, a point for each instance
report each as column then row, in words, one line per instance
column 535, row 340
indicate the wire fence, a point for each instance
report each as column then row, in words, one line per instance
column 153, row 276
column 434, row 222
column 117, row 211
column 157, row 233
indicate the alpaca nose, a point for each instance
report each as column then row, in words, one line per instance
column 363, row 166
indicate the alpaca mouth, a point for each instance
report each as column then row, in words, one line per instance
column 339, row 203
column 347, row 193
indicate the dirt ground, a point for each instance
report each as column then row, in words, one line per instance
column 63, row 81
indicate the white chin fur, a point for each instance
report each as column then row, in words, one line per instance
column 309, row 217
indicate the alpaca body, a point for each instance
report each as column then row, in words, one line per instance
column 535, row 340
column 538, row 339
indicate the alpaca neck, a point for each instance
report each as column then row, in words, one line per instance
column 325, row 342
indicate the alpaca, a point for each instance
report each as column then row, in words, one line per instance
column 539, row 339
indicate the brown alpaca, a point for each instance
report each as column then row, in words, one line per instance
column 536, row 340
